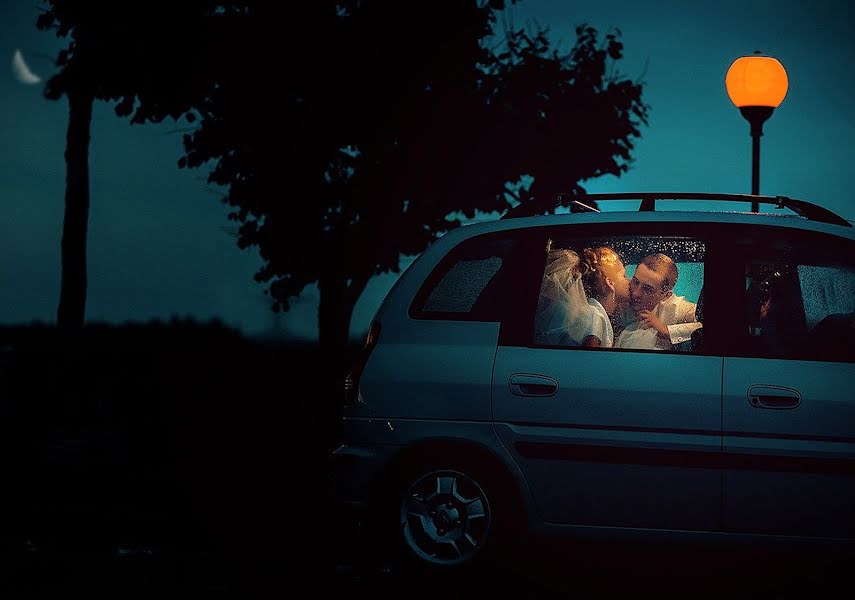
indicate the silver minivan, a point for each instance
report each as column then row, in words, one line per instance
column 647, row 373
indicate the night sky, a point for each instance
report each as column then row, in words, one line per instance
column 160, row 244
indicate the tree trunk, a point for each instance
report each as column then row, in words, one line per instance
column 72, row 295
column 335, row 311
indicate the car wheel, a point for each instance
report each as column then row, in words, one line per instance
column 446, row 517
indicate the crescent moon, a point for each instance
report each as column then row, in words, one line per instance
column 22, row 71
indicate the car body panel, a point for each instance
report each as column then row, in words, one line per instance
column 442, row 372
column 374, row 443
column 629, row 449
column 790, row 470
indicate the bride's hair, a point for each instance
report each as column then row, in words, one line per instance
column 591, row 268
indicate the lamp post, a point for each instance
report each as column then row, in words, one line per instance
column 756, row 85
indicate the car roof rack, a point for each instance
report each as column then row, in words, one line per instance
column 802, row 208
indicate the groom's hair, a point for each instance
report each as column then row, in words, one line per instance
column 662, row 263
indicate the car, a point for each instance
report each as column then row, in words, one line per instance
column 473, row 417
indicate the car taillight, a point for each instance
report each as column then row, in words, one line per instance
column 351, row 382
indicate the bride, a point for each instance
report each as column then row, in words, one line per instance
column 579, row 295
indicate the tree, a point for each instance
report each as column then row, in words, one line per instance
column 150, row 62
column 377, row 126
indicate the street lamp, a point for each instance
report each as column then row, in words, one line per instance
column 756, row 85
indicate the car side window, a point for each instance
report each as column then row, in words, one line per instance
column 826, row 290
column 801, row 304
column 466, row 284
column 625, row 292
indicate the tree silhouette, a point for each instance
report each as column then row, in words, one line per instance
column 368, row 129
column 150, row 63
column 347, row 133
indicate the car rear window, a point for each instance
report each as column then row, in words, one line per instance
column 466, row 284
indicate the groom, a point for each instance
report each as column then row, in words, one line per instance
column 662, row 319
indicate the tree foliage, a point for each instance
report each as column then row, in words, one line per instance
column 151, row 59
column 350, row 133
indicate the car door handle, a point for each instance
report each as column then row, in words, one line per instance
column 773, row 397
column 541, row 386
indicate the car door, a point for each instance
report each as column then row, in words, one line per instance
column 789, row 387
column 607, row 436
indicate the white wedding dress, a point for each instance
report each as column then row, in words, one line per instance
column 565, row 316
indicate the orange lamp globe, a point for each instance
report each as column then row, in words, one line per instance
column 756, row 81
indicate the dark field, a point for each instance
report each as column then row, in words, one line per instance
column 174, row 459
